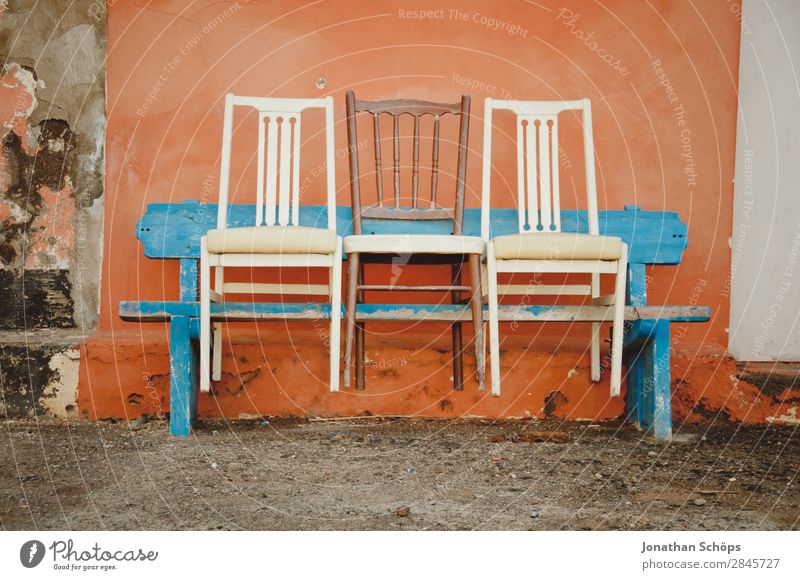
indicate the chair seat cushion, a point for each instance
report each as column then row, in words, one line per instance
column 557, row 246
column 413, row 244
column 271, row 240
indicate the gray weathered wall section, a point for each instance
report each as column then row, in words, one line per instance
column 52, row 110
column 765, row 243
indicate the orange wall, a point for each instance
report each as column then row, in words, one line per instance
column 662, row 78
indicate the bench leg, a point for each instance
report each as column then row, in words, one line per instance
column 634, row 402
column 649, row 400
column 183, row 374
column 458, row 343
column 658, row 413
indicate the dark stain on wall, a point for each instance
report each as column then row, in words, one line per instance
column 25, row 373
column 36, row 300
column 774, row 383
column 553, row 401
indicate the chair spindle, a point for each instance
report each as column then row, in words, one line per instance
column 378, row 169
column 396, row 160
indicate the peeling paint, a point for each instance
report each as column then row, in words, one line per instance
column 52, row 235
column 790, row 418
column 60, row 396
column 52, row 122
column 18, row 101
column 25, row 373
column 12, row 212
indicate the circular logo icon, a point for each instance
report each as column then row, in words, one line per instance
column 31, row 553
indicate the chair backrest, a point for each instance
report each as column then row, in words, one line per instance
column 278, row 163
column 429, row 209
column 539, row 196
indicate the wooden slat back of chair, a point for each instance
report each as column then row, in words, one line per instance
column 278, row 163
column 391, row 208
column 538, row 188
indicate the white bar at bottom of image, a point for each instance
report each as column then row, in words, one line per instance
column 401, row 555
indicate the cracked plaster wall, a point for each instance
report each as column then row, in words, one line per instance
column 52, row 119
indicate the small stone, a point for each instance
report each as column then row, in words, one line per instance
column 403, row 511
column 598, row 476
column 215, row 432
column 699, row 501
column 136, row 424
column 652, row 453
column 516, row 488
column 535, row 514
column 213, row 466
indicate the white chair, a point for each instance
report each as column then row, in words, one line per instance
column 276, row 239
column 541, row 246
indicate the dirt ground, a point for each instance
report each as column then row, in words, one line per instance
column 396, row 474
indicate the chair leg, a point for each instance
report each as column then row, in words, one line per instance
column 335, row 283
column 216, row 351
column 205, row 317
column 350, row 313
column 619, row 321
column 216, row 334
column 458, row 341
column 477, row 318
column 494, row 324
column 484, row 282
column 595, row 347
column 360, row 336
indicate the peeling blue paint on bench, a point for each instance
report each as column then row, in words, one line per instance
column 183, row 376
column 173, row 231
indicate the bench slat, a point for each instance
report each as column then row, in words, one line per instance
column 173, row 230
column 247, row 311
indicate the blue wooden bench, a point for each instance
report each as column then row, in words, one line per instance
column 173, row 231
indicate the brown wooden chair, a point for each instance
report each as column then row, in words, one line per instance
column 415, row 248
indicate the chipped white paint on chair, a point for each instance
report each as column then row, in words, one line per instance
column 539, row 209
column 277, row 207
